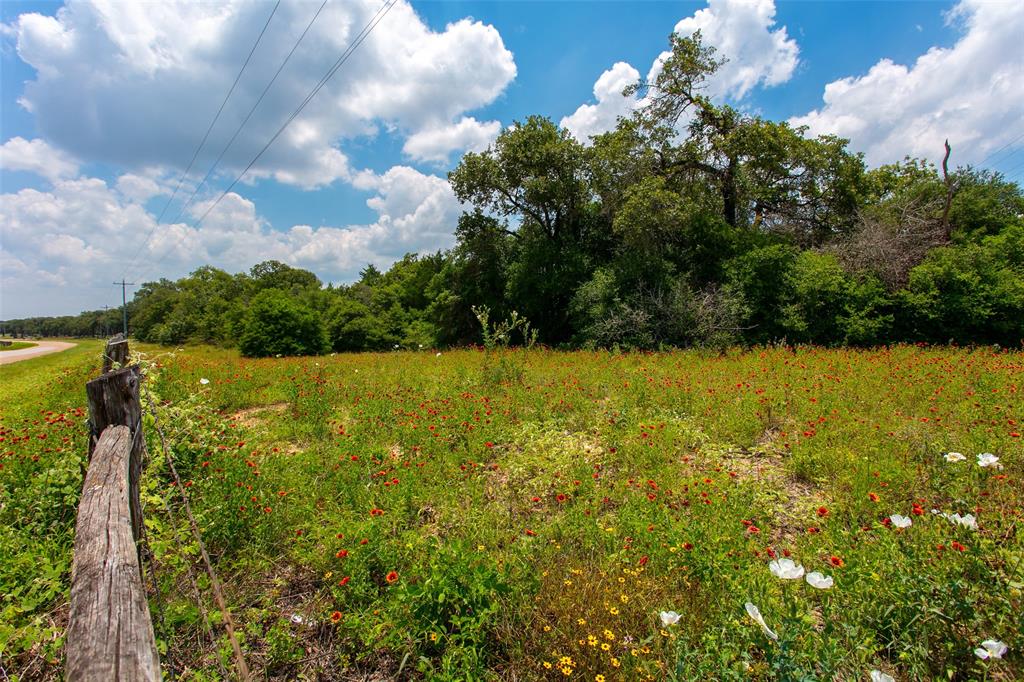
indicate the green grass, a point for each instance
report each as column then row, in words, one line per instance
column 18, row 345
column 413, row 515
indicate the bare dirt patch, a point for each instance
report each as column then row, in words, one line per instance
column 252, row 417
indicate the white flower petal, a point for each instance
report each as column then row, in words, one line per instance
column 901, row 521
column 967, row 520
column 755, row 613
column 955, row 457
column 879, row 676
column 786, row 569
column 993, row 648
column 204, row 381
column 987, row 459
column 669, row 618
column 820, row 580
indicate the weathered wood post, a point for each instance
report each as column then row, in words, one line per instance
column 116, row 352
column 110, row 633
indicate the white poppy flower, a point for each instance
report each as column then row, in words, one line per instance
column 955, row 457
column 901, row 521
column 755, row 613
column 987, row 459
column 819, row 580
column 669, row 618
column 991, row 648
column 879, row 676
column 787, row 569
column 967, row 520
column 438, row 355
column 204, row 381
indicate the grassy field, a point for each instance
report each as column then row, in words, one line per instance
column 18, row 345
column 550, row 515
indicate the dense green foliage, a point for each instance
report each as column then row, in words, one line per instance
column 689, row 224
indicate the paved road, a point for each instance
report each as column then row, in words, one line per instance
column 42, row 348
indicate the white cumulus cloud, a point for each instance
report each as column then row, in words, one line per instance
column 759, row 54
column 137, row 84
column 437, row 144
column 36, row 156
column 969, row 93
column 594, row 119
column 743, row 32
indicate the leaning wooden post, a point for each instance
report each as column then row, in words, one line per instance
column 110, row 633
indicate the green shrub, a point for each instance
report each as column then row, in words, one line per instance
column 277, row 325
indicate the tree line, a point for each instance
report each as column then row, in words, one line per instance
column 689, row 224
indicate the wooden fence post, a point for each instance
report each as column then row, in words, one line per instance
column 110, row 633
column 116, row 351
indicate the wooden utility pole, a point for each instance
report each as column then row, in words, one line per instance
column 124, row 303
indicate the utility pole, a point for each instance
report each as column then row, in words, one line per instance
column 124, row 303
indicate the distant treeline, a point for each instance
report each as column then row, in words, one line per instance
column 689, row 224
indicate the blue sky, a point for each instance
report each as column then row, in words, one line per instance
column 103, row 104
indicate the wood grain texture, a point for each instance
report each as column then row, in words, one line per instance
column 115, row 353
column 114, row 401
column 110, row 633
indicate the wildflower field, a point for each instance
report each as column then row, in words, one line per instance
column 771, row 514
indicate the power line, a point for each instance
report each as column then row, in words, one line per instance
column 124, row 302
column 251, row 111
column 1005, row 146
column 1013, row 170
column 323, row 81
column 207, row 134
column 353, row 46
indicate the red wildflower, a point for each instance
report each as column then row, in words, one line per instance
column 561, row 497
column 822, row 511
column 336, row 616
column 957, row 546
column 342, row 553
column 873, row 497
column 835, row 561
column 391, row 577
column 530, row 532
column 344, row 581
